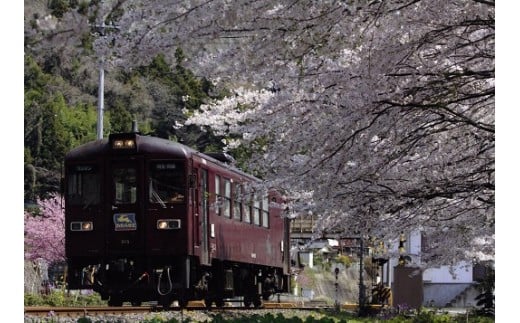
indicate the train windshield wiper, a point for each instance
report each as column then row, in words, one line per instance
column 155, row 196
column 89, row 202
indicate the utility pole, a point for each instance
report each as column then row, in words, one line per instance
column 101, row 30
column 361, row 300
column 336, row 284
column 361, row 283
column 101, row 100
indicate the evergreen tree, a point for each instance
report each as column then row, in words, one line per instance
column 52, row 127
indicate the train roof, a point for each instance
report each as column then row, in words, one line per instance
column 150, row 145
column 145, row 145
column 88, row 150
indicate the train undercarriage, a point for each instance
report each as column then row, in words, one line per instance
column 181, row 279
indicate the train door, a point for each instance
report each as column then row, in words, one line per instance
column 202, row 211
column 125, row 210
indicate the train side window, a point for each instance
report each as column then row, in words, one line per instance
column 265, row 212
column 246, row 210
column 226, row 210
column 218, row 196
column 237, row 202
column 83, row 185
column 256, row 211
column 125, row 185
column 166, row 182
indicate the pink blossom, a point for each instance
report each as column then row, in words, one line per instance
column 45, row 232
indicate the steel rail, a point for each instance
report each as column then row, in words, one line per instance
column 49, row 311
column 84, row 310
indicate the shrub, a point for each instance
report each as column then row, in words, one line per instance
column 60, row 297
column 58, row 7
column 32, row 299
column 55, row 298
column 344, row 259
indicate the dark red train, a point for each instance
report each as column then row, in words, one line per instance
column 148, row 219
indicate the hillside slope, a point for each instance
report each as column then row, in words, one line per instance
column 322, row 283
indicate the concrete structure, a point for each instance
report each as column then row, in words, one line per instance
column 442, row 286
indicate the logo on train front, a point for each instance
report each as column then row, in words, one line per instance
column 125, row 222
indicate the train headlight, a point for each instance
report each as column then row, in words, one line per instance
column 129, row 143
column 123, row 144
column 81, row 226
column 168, row 224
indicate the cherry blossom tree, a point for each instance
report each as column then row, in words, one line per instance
column 376, row 115
column 45, row 232
column 385, row 114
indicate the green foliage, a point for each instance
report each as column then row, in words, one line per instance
column 114, row 15
column 54, row 137
column 33, row 300
column 34, row 77
column 58, row 7
column 340, row 317
column 60, row 297
column 120, row 118
column 434, row 316
column 56, row 298
column 244, row 152
column 80, row 123
column 56, row 129
column 87, row 42
column 46, row 141
column 269, row 318
column 427, row 317
column 175, row 91
column 59, row 113
column 83, row 7
column 51, row 128
column 321, row 260
column 158, row 68
column 344, row 259
column 320, row 317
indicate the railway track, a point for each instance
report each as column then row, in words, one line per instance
column 46, row 311
column 84, row 311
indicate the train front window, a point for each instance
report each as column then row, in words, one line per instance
column 83, row 186
column 125, row 185
column 166, row 182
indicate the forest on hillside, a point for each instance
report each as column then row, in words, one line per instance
column 378, row 116
column 61, row 97
column 60, row 112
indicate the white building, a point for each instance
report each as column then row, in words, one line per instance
column 442, row 286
